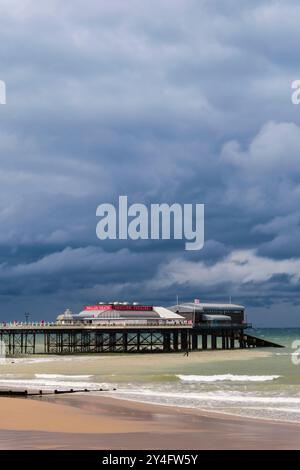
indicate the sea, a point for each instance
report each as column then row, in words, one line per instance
column 262, row 383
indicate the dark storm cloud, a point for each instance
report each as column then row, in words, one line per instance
column 173, row 102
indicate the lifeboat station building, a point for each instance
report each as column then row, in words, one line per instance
column 211, row 313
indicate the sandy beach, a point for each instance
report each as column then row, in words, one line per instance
column 88, row 422
column 254, row 382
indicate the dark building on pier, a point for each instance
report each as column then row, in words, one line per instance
column 211, row 313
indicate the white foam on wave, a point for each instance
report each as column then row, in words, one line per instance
column 285, row 409
column 39, row 359
column 50, row 384
column 210, row 397
column 2, row 376
column 62, row 377
column 227, row 377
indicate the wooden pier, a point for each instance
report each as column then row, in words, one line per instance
column 23, row 339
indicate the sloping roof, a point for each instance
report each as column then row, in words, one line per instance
column 202, row 307
column 167, row 314
column 156, row 313
column 122, row 314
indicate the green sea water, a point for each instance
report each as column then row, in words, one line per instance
column 263, row 383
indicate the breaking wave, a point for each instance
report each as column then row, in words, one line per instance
column 227, row 378
column 62, row 377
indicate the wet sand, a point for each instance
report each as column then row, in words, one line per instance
column 89, row 422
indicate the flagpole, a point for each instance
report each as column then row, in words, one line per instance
column 194, row 319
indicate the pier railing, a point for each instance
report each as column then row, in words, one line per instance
column 36, row 326
column 121, row 324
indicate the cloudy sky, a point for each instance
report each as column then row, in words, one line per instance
column 164, row 101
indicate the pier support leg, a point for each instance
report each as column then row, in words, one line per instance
column 112, row 341
column 194, row 341
column 125, row 341
column 175, row 340
column 166, row 342
column 204, row 342
column 138, row 341
column 184, row 340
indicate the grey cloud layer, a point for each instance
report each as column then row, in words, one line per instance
column 173, row 102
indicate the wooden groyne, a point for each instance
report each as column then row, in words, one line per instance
column 30, row 393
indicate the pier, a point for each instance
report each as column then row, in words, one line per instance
column 57, row 339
